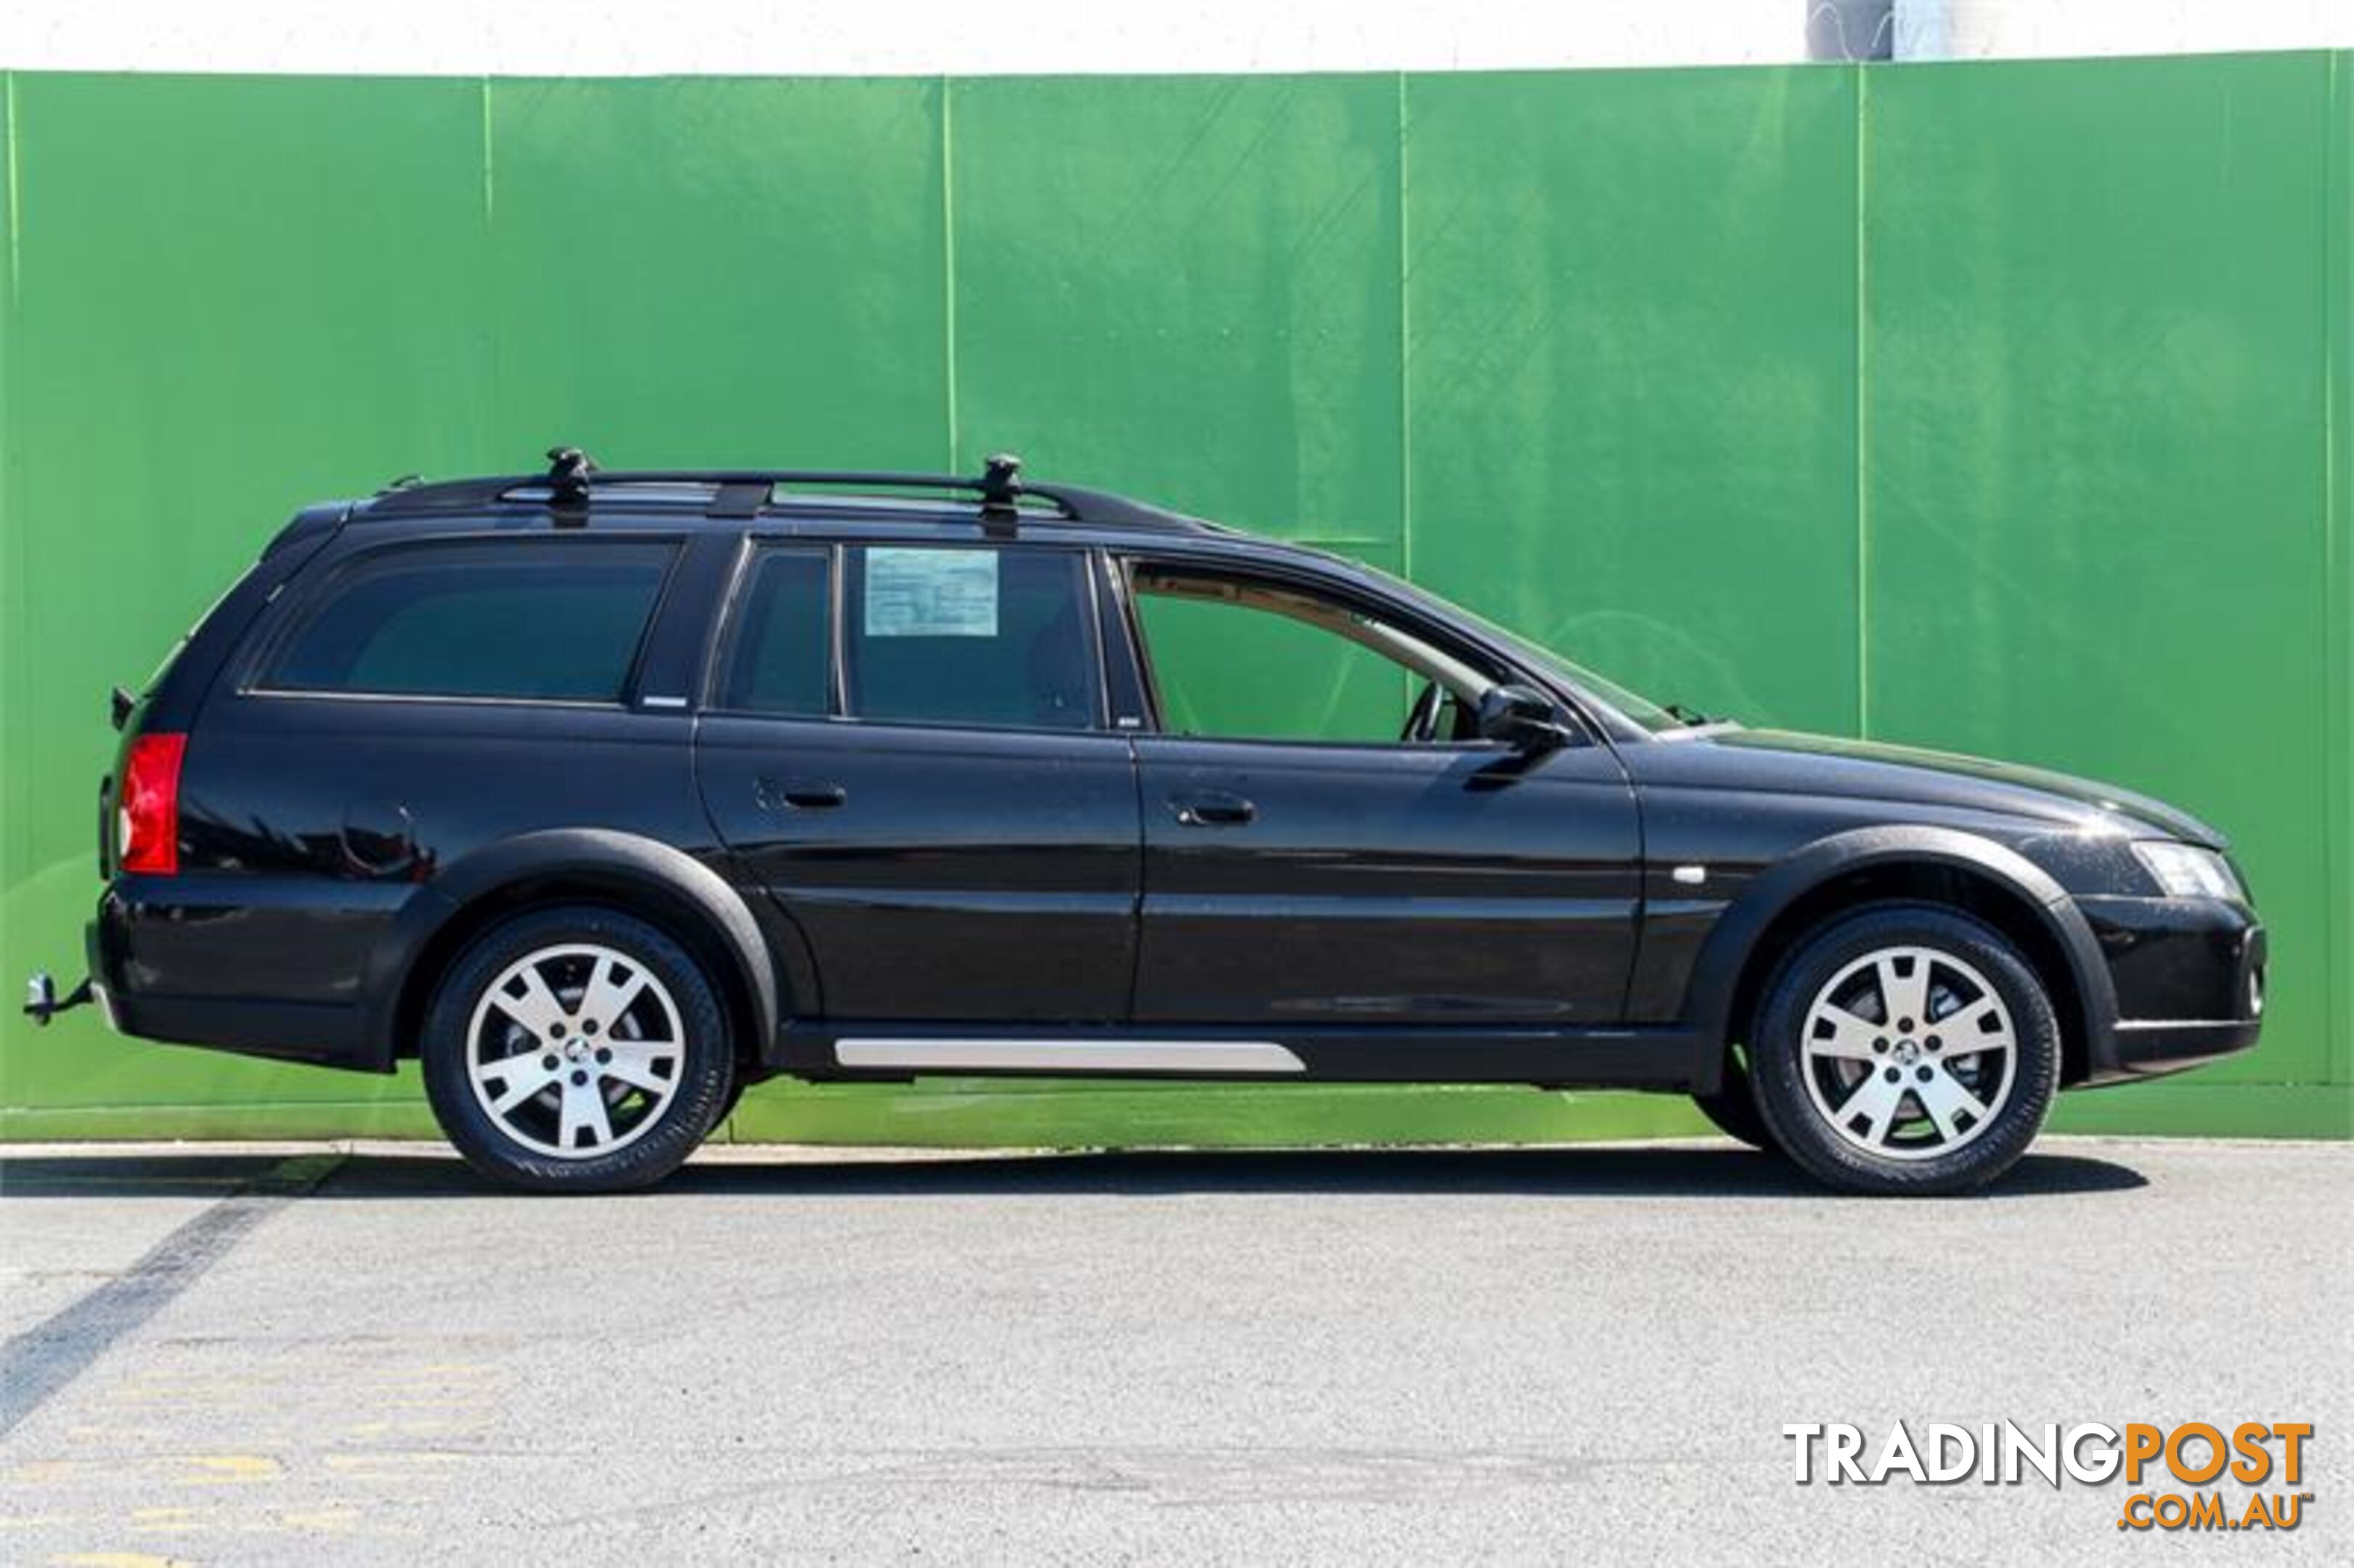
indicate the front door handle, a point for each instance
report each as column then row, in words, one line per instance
column 801, row 794
column 1212, row 808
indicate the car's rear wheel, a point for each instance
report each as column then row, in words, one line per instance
column 576, row 1049
column 734, row 1097
column 1905, row 1048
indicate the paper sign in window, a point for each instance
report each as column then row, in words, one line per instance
column 931, row 593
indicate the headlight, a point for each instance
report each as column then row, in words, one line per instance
column 2186, row 871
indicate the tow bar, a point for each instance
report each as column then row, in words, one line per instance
column 41, row 1000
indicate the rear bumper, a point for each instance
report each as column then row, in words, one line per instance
column 252, row 965
column 2191, row 979
column 280, row 1030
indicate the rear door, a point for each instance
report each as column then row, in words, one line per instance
column 904, row 748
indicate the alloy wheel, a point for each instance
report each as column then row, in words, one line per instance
column 1908, row 1052
column 575, row 1050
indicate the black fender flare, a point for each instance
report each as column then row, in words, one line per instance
column 595, row 859
column 1732, row 943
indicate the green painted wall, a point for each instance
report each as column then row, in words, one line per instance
column 2002, row 408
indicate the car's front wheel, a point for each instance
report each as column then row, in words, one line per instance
column 1905, row 1048
column 577, row 1050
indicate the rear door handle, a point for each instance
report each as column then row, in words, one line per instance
column 1212, row 808
column 801, row 794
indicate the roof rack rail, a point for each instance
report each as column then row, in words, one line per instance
column 572, row 480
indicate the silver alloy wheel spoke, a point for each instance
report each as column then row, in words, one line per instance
column 633, row 1063
column 606, row 1036
column 1849, row 1035
column 1875, row 1100
column 536, row 1007
column 608, row 999
column 519, row 1077
column 584, row 1111
column 1914, row 1082
column 1944, row 1096
column 1903, row 987
column 1965, row 1029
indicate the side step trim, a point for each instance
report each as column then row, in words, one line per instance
column 942, row 1055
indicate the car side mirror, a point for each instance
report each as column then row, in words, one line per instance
column 1521, row 717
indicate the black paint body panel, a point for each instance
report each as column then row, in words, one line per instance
column 1393, row 885
column 963, row 873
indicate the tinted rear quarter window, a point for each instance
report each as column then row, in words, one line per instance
column 540, row 621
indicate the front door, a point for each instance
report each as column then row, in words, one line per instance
column 1329, row 843
column 905, row 749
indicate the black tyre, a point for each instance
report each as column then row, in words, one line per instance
column 1905, row 1048
column 734, row 1097
column 1733, row 1109
column 577, row 1050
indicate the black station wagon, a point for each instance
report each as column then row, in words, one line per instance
column 607, row 794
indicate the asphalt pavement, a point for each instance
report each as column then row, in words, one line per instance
column 318, row 1354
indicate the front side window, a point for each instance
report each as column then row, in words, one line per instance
column 497, row 619
column 1236, row 657
column 994, row 637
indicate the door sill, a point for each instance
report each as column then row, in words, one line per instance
column 1634, row 1057
column 1117, row 1056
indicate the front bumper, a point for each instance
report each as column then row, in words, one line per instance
column 2190, row 977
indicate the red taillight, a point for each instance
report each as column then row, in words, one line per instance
column 148, row 835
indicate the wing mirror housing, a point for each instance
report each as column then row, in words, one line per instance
column 1521, row 717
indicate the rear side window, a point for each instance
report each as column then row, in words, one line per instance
column 547, row 620
column 993, row 637
column 776, row 657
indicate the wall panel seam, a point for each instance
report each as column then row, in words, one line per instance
column 1862, row 406
column 12, row 650
column 948, row 263
column 1405, row 349
column 16, row 209
column 2337, row 597
column 494, row 336
column 490, row 179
